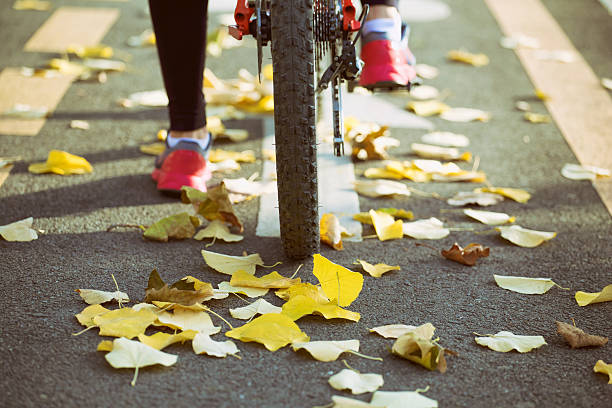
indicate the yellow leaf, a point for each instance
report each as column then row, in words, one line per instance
column 303, row 289
column 299, row 306
column 38, row 5
column 583, row 172
column 386, row 227
column 260, row 306
column 380, row 188
column 62, row 163
column 537, row 117
column 506, row 341
column 67, row 67
column 585, row 298
column 228, row 264
column 105, row 345
column 93, row 51
column 178, row 226
column 93, row 297
column 541, row 95
column 379, row 173
column 196, row 307
column 214, row 204
column 364, row 217
column 477, row 60
column 465, row 115
column 182, row 319
column 412, row 399
column 218, row 155
column 160, row 340
column 124, row 322
column 86, row 317
column 525, row 237
column 378, row 269
column 217, row 229
column 21, row 231
column 427, row 108
column 327, row 350
column 447, row 139
column 331, row 231
column 438, row 152
column 395, row 331
column 338, row 283
column 601, row 367
column 528, row 286
column 203, row 344
column 250, row 292
column 520, row 196
column 270, row 281
column 197, row 284
column 273, row 330
column 356, row 382
column 132, row 354
column 418, row 347
column 431, row 228
column 489, row 217
column 409, row 171
column 154, row 149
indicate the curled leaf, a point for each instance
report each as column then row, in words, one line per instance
column 437, row 152
column 518, row 195
column 603, row 368
column 418, row 347
column 466, row 256
column 394, row 331
column 477, row 60
column 431, row 228
column 528, row 286
column 506, row 341
column 381, row 188
column 214, row 204
column 480, row 198
column 364, row 217
column 178, row 226
column 63, row 163
column 19, row 231
column 327, row 350
column 581, row 172
column 203, row 344
column 331, row 231
column 525, row 237
column 377, row 270
column 229, row 264
column 488, row 217
column 578, row 338
column 585, row 298
column 96, row 297
column 386, row 226
column 183, row 292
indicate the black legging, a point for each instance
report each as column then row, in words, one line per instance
column 180, row 31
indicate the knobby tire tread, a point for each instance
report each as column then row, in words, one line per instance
column 295, row 126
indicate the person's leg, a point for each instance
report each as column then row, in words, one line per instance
column 180, row 31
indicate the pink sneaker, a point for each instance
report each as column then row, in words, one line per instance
column 183, row 165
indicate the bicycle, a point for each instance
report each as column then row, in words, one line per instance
column 304, row 35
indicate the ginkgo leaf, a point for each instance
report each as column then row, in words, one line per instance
column 427, row 108
column 133, row 354
column 583, row 172
column 196, row 307
column 219, row 155
column 438, row 152
column 203, row 344
column 154, row 149
column 178, row 226
column 327, row 350
column 19, row 231
column 518, row 195
column 260, row 306
column 446, row 139
column 418, row 347
column 217, row 229
column 244, row 290
column 63, row 163
column 468, row 197
column 380, row 173
column 435, row 166
column 519, row 40
column 303, row 289
column 364, row 217
column 381, row 188
column 249, row 187
column 386, row 226
column 463, row 175
column 465, row 115
column 424, row 92
column 38, row 5
column 506, row 341
column 356, row 382
column 344, row 402
column 477, row 60
column 299, row 306
column 124, row 322
column 96, row 297
column 214, row 204
column 338, row 283
column 401, row 399
column 525, row 237
column 578, row 338
column 537, row 117
column 431, row 228
column 426, row 71
column 523, row 106
column 160, row 340
column 528, row 286
column 489, row 217
column 466, row 256
column 86, row 317
column 377, row 270
column 105, row 345
column 273, row 330
column 185, row 291
column 585, row 298
column 405, row 170
column 229, row 264
column 272, row 280
column 188, row 320
column 394, row 331
column 603, row 368
column 331, row 231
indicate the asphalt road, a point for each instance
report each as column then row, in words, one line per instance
column 44, row 365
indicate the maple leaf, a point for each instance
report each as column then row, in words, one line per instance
column 466, row 256
column 578, row 338
column 178, row 226
column 214, row 204
column 182, row 291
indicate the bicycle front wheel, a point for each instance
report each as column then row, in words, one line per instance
column 295, row 126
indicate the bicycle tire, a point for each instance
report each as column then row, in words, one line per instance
column 295, row 126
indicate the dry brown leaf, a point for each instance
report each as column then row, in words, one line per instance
column 466, row 256
column 371, row 146
column 182, row 292
column 214, row 204
column 578, row 338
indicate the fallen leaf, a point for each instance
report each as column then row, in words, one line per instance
column 124, row 322
column 248, row 187
column 461, row 176
column 426, row 71
column 62, row 163
column 37, row 5
column 431, row 228
column 303, row 289
column 338, row 283
column 214, row 204
column 219, row 155
column 528, row 286
column 217, row 229
column 586, row 298
column 606, row 83
column 435, row 166
column 424, row 92
column 418, row 347
column 178, row 226
column 299, row 306
column 386, row 226
column 23, row 111
column 103, row 65
column 229, row 264
column 155, row 99
column 479, row 198
column 272, row 280
column 447, row 139
column 581, row 172
column 519, row 41
column 154, row 149
column 326, row 350
column 203, row 344
column 523, row 106
column 273, row 330
column 601, row 367
column 465, row 115
column 427, row 108
column 93, row 51
column 578, row 338
column 525, row 237
column 505, row 341
column 183, row 291
column 537, row 117
column 132, row 354
column 466, row 256
column 355, row 382
column 555, row 55
column 441, row 153
column 381, row 188
column 250, row 292
column 86, row 317
column 181, row 319
column 79, row 124
column 477, row 60
column 372, row 145
column 401, row 399
column 19, row 231
column 105, row 345
column 96, row 297
column 344, row 402
column 226, row 165
column 489, row 217
column 377, row 270
column 364, row 217
column 331, row 231
column 164, row 306
column 147, row 37
column 394, row 331
column 160, row 340
column 260, row 306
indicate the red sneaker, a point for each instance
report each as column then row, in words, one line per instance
column 182, row 165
